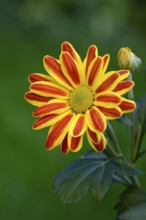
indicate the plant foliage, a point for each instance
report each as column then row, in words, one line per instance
column 94, row 171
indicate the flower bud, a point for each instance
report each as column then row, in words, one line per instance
column 128, row 60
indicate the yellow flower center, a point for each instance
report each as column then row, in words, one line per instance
column 81, row 99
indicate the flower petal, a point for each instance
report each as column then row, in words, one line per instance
column 55, row 106
column 70, row 143
column 70, row 69
column 49, row 89
column 75, row 143
column 124, row 74
column 35, row 77
column 127, row 105
column 64, row 145
column 94, row 137
column 108, row 82
column 106, row 59
column 92, row 53
column 35, row 99
column 123, row 87
column 78, row 126
column 58, row 131
column 111, row 113
column 94, row 71
column 95, row 120
column 53, row 67
column 47, row 120
column 101, row 145
column 107, row 99
column 67, row 47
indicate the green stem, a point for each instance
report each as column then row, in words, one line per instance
column 114, row 139
column 140, row 154
column 133, row 148
column 130, row 93
column 111, row 153
column 135, row 181
column 131, row 116
column 137, row 145
column 133, row 145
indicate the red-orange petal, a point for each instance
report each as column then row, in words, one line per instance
column 35, row 99
column 108, row 98
column 70, row 69
column 94, row 136
column 111, row 113
column 107, row 83
column 64, row 145
column 101, row 145
column 58, row 132
column 75, row 143
column 54, row 68
column 43, row 120
column 91, row 55
column 106, row 59
column 95, row 70
column 67, row 47
column 35, row 77
column 48, row 89
column 123, row 86
column 127, row 105
column 50, row 108
column 78, row 126
column 123, row 74
column 98, row 121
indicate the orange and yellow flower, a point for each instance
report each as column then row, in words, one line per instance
column 78, row 97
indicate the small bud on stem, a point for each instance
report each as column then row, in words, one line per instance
column 128, row 60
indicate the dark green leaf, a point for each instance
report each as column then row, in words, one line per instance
column 94, row 171
column 81, row 174
column 103, row 180
column 123, row 168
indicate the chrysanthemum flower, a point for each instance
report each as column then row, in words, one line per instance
column 78, row 97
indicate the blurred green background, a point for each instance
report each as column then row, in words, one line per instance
column 29, row 30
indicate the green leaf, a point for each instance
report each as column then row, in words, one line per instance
column 130, row 204
column 94, row 171
column 124, row 168
column 81, row 174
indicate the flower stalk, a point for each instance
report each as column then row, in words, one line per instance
column 114, row 139
column 131, row 116
column 127, row 59
column 133, row 144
